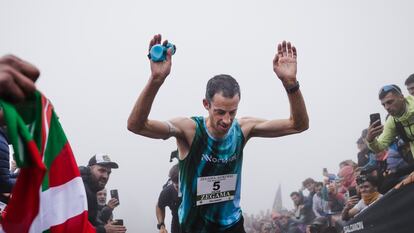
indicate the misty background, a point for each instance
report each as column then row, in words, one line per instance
column 92, row 57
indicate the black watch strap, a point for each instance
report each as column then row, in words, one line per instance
column 159, row 225
column 293, row 88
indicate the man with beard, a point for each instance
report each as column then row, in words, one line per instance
column 95, row 176
column 211, row 148
column 303, row 214
column 399, row 123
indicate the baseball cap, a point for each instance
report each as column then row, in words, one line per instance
column 102, row 160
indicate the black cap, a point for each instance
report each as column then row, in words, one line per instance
column 102, row 160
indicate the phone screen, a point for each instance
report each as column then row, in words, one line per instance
column 374, row 117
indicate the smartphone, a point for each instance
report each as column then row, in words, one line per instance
column 352, row 191
column 119, row 222
column 373, row 118
column 114, row 194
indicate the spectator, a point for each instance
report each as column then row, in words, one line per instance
column 105, row 210
column 95, row 176
column 368, row 189
column 401, row 111
column 287, row 225
column 347, row 177
column 409, row 83
column 319, row 206
column 303, row 214
column 309, row 184
column 169, row 197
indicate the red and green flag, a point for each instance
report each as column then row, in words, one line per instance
column 49, row 195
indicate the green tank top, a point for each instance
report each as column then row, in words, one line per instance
column 210, row 179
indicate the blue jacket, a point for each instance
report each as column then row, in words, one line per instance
column 6, row 182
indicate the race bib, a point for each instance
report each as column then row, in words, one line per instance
column 213, row 189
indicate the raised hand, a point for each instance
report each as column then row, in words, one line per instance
column 160, row 70
column 285, row 64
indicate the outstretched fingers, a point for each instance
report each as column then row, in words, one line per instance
column 284, row 48
column 294, row 52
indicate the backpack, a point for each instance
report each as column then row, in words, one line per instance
column 404, row 145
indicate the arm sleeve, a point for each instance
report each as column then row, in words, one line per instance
column 385, row 139
column 100, row 229
column 105, row 214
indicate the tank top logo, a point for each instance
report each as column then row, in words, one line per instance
column 211, row 159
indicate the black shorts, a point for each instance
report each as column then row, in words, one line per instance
column 237, row 228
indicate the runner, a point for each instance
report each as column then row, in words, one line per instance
column 211, row 148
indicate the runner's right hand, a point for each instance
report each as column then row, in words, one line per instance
column 160, row 70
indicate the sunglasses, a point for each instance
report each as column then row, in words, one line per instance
column 388, row 88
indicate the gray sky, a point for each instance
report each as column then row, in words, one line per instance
column 92, row 55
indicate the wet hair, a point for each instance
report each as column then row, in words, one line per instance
column 173, row 174
column 223, row 84
column 409, row 80
column 389, row 89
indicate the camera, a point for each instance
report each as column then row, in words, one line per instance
column 158, row 52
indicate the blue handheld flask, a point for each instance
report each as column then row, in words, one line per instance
column 158, row 52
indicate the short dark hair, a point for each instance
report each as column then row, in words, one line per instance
column 224, row 84
column 308, row 181
column 409, row 80
column 389, row 89
column 369, row 178
column 295, row 194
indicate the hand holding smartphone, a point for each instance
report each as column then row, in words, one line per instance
column 119, row 222
column 114, row 194
column 374, row 117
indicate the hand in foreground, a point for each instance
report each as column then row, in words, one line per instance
column 17, row 78
column 111, row 228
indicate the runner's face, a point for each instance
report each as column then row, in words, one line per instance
column 222, row 112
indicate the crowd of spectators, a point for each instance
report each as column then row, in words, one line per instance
column 384, row 161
